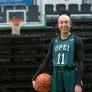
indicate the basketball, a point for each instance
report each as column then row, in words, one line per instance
column 43, row 82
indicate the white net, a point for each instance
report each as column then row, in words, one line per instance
column 15, row 27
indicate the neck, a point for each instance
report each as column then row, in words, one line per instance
column 65, row 35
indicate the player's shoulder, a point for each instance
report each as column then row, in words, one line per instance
column 77, row 39
column 55, row 39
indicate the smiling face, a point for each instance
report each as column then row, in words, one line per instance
column 64, row 23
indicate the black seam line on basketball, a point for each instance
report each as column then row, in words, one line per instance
column 39, row 82
column 43, row 89
column 44, row 85
column 48, row 80
column 42, row 81
column 44, row 78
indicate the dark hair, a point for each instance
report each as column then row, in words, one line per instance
column 66, row 12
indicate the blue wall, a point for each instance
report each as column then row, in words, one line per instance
column 15, row 2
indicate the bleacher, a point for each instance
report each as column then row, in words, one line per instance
column 20, row 56
column 79, row 13
column 84, row 13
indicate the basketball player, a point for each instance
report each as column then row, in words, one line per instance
column 66, row 53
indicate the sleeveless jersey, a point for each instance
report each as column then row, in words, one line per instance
column 63, row 51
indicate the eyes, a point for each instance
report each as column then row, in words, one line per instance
column 65, row 22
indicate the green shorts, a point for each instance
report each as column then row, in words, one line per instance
column 64, row 80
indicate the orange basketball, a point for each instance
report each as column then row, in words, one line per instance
column 43, row 82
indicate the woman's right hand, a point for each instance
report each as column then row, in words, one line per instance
column 34, row 85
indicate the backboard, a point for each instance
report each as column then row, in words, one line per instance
column 33, row 15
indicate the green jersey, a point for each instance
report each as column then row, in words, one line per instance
column 63, row 51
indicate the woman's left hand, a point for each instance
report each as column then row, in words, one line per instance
column 78, row 88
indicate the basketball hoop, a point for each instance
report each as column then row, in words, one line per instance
column 16, row 25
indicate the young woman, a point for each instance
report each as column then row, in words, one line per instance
column 66, row 53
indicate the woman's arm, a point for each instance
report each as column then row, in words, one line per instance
column 79, row 55
column 44, row 65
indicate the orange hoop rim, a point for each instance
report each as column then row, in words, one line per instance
column 15, row 21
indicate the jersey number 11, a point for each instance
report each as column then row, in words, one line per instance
column 59, row 58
